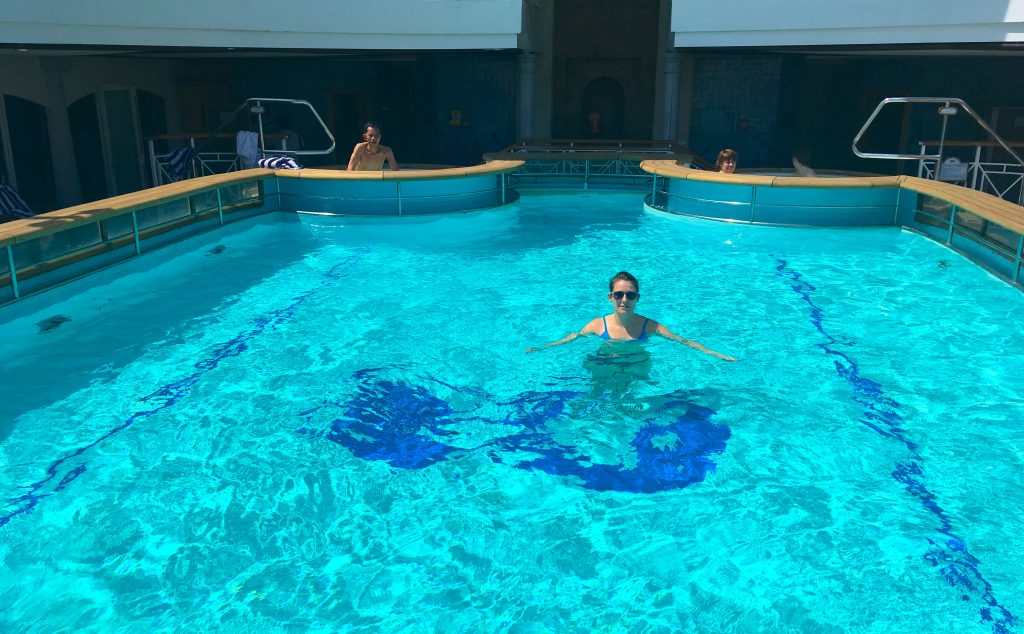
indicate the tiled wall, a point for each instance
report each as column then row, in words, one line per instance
column 483, row 90
column 735, row 104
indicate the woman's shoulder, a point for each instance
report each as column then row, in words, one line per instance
column 595, row 325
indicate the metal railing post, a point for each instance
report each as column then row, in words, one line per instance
column 942, row 140
column 586, row 174
column 399, row 184
column 503, row 180
column 1020, row 251
column 153, row 170
column 952, row 223
column 135, row 232
column 977, row 167
column 14, row 272
column 220, row 207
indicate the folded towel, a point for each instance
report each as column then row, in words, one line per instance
column 247, row 145
column 11, row 204
column 279, row 163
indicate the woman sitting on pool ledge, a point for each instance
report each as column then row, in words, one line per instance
column 370, row 154
column 624, row 324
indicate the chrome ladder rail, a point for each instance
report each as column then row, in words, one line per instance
column 255, row 105
column 946, row 111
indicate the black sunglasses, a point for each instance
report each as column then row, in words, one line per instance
column 630, row 295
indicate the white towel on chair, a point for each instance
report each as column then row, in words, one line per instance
column 247, row 145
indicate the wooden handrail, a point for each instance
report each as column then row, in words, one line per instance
column 19, row 231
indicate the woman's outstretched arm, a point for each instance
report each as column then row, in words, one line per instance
column 589, row 329
column 668, row 334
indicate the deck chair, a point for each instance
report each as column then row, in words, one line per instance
column 12, row 205
column 179, row 163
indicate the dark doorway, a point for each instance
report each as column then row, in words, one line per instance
column 605, row 51
column 30, row 147
column 152, row 120
column 604, row 107
column 85, row 135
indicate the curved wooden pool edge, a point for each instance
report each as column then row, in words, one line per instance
column 61, row 245
column 987, row 230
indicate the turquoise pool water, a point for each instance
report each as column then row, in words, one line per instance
column 331, row 426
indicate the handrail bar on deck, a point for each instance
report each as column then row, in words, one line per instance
column 938, row 157
column 257, row 104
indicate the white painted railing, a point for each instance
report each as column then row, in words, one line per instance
column 1005, row 180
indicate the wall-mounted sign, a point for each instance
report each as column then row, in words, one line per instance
column 953, row 170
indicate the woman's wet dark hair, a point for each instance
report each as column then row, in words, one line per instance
column 627, row 277
column 728, row 154
column 372, row 124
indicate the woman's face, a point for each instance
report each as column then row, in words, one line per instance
column 728, row 166
column 623, row 296
column 372, row 136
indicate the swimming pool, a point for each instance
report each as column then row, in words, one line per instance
column 326, row 424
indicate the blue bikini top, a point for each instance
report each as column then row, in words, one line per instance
column 642, row 337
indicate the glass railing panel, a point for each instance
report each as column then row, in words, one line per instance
column 933, row 211
column 998, row 238
column 241, row 193
column 204, row 202
column 162, row 214
column 118, row 227
column 56, row 245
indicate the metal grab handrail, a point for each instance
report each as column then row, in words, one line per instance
column 257, row 109
column 948, row 101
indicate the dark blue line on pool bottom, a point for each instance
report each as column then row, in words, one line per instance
column 164, row 397
column 410, row 428
column 882, row 415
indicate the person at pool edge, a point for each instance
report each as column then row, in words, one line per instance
column 726, row 161
column 625, row 324
column 370, row 154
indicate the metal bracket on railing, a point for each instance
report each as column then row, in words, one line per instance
column 947, row 110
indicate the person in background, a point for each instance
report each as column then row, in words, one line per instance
column 726, row 161
column 370, row 154
column 594, row 121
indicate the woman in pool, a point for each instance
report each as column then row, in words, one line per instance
column 726, row 161
column 624, row 324
column 370, row 154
